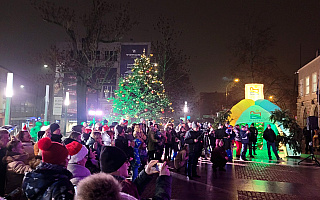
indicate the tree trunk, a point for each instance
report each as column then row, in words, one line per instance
column 81, row 100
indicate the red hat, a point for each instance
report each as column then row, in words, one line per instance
column 105, row 128
column 77, row 151
column 87, row 130
column 25, row 127
column 52, row 152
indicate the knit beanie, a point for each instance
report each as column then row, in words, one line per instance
column 77, row 151
column 52, row 152
column 111, row 159
column 77, row 128
column 54, row 127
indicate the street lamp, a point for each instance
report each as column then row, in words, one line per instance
column 66, row 103
column 270, row 98
column 9, row 94
column 236, row 80
column 185, row 110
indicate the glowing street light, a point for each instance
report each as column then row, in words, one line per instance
column 9, row 94
column 45, row 66
column 236, row 80
column 270, row 97
column 67, row 101
column 21, row 86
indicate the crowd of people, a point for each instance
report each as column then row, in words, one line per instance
column 115, row 161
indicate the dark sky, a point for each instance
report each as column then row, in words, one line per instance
column 209, row 29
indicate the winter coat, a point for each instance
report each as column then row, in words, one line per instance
column 220, row 133
column 254, row 134
column 48, row 182
column 56, row 138
column 244, row 137
column 181, row 159
column 79, row 172
column 135, row 188
column 218, row 156
column 122, row 143
column 152, row 141
column 269, row 135
column 194, row 147
column 16, row 168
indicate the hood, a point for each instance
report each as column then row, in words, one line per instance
column 37, row 181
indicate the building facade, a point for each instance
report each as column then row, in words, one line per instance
column 308, row 87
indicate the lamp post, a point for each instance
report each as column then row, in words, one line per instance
column 46, row 104
column 9, row 94
column 66, row 103
column 236, row 80
column 185, row 110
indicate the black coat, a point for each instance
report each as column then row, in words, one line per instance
column 269, row 135
column 48, row 182
column 254, row 134
column 194, row 147
column 220, row 133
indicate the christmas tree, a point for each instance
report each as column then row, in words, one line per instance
column 141, row 94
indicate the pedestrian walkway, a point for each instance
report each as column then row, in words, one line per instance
column 257, row 178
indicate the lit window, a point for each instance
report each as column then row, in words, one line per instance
column 307, row 84
column 301, row 87
column 314, row 82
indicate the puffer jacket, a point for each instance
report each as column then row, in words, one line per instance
column 16, row 168
column 48, row 182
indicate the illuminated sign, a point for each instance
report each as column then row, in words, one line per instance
column 254, row 91
column 255, row 115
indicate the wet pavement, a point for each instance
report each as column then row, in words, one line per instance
column 257, row 178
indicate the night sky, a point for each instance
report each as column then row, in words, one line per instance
column 209, row 29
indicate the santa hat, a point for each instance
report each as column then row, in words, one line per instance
column 52, row 152
column 77, row 151
column 24, row 128
column 87, row 130
column 105, row 128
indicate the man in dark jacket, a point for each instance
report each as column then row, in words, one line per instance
column 121, row 142
column 114, row 161
column 51, row 179
column 253, row 139
column 270, row 137
column 193, row 138
column 244, row 134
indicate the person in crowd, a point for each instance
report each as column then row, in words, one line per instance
column 193, row 138
column 219, row 157
column 253, row 139
column 92, row 163
column 152, row 143
column 181, row 159
column 108, row 138
column 139, row 133
column 182, row 133
column 270, row 136
column 86, row 135
column 307, row 139
column 212, row 138
column 120, row 141
column 229, row 141
column 175, row 142
column 136, row 154
column 168, row 144
column 237, row 140
column 244, row 134
column 95, row 143
column 51, row 179
column 76, row 165
column 74, row 136
column 55, row 133
column 28, row 145
column 220, row 133
column 4, row 139
column 160, row 145
column 249, row 144
column 101, row 186
column 114, row 161
column 17, row 164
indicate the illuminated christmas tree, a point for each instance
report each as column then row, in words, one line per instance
column 141, row 94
